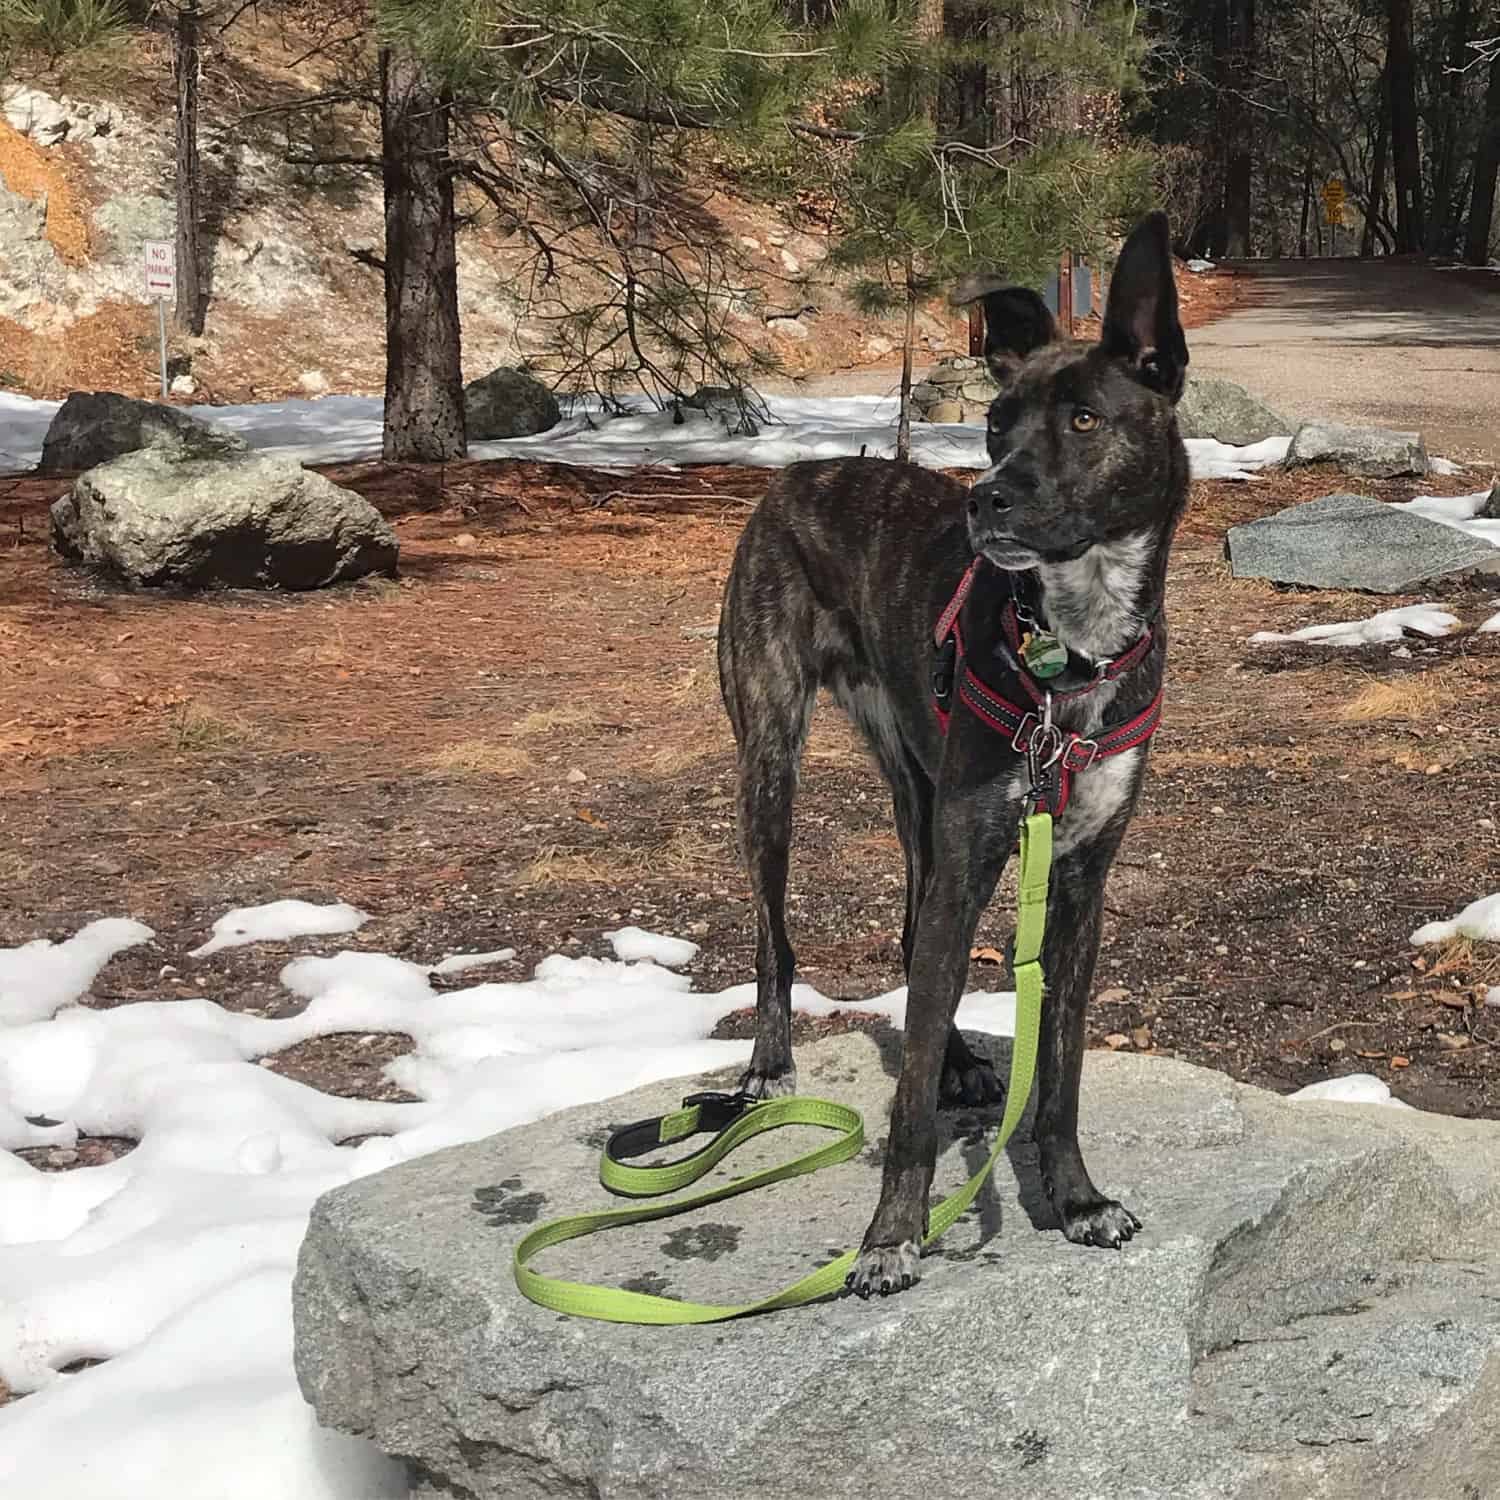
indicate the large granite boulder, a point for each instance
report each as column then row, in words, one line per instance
column 1313, row 1308
column 1369, row 452
column 251, row 520
column 92, row 427
column 1220, row 409
column 1354, row 542
column 508, row 404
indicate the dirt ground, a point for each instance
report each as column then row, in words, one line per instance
column 520, row 744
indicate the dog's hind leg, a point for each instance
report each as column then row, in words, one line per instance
column 968, row 1081
column 770, row 702
column 1075, row 917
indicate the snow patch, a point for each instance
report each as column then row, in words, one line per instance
column 39, row 978
column 1461, row 512
column 634, row 943
column 278, row 921
column 1479, row 920
column 1352, row 1088
column 340, row 429
column 458, row 963
column 1388, row 625
column 174, row 1262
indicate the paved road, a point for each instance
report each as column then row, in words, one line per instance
column 1369, row 341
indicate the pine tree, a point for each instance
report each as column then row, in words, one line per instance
column 918, row 208
column 581, row 124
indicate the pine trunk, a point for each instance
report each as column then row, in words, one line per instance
column 1240, row 156
column 1445, row 114
column 1306, row 206
column 190, row 310
column 903, row 425
column 1376, row 205
column 1486, row 166
column 1405, row 149
column 424, row 393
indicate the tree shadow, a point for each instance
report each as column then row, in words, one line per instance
column 219, row 177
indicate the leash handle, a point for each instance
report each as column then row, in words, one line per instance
column 747, row 1119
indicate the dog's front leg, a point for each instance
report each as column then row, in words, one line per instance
column 1075, row 917
column 973, row 836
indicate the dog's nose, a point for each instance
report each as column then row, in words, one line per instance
column 990, row 498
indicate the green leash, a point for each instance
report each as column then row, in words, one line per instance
column 741, row 1122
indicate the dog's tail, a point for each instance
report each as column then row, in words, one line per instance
column 1016, row 320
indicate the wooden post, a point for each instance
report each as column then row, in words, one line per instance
column 1065, row 293
column 976, row 331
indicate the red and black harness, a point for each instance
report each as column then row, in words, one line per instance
column 1053, row 754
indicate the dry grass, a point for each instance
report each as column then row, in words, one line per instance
column 1414, row 696
column 198, row 731
column 686, row 852
column 1193, row 756
column 699, row 684
column 546, row 720
column 672, row 760
column 1465, row 959
column 481, row 758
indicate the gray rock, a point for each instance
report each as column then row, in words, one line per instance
column 30, row 271
column 1370, row 452
column 1311, row 1309
column 250, row 520
column 127, row 219
column 1220, row 409
column 1353, row 542
column 92, row 427
column 508, row 404
column 958, row 389
column 1490, row 510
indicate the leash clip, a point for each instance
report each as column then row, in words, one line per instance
column 716, row 1110
column 1044, row 745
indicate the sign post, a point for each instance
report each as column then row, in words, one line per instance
column 161, row 283
column 1333, row 209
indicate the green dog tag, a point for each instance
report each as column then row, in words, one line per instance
column 1043, row 654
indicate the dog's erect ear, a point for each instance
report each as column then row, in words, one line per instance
column 1140, row 322
column 1016, row 321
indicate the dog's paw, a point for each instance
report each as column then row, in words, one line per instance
column 1103, row 1223
column 759, row 1084
column 973, row 1085
column 885, row 1269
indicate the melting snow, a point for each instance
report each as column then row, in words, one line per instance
column 276, row 922
column 173, row 1263
column 1479, row 920
column 1388, row 625
column 339, row 429
column 1352, row 1088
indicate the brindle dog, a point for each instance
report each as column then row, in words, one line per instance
column 838, row 579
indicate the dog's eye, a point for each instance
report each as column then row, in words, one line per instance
column 1085, row 420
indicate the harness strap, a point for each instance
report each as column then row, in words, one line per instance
column 747, row 1119
column 953, row 673
column 949, row 617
